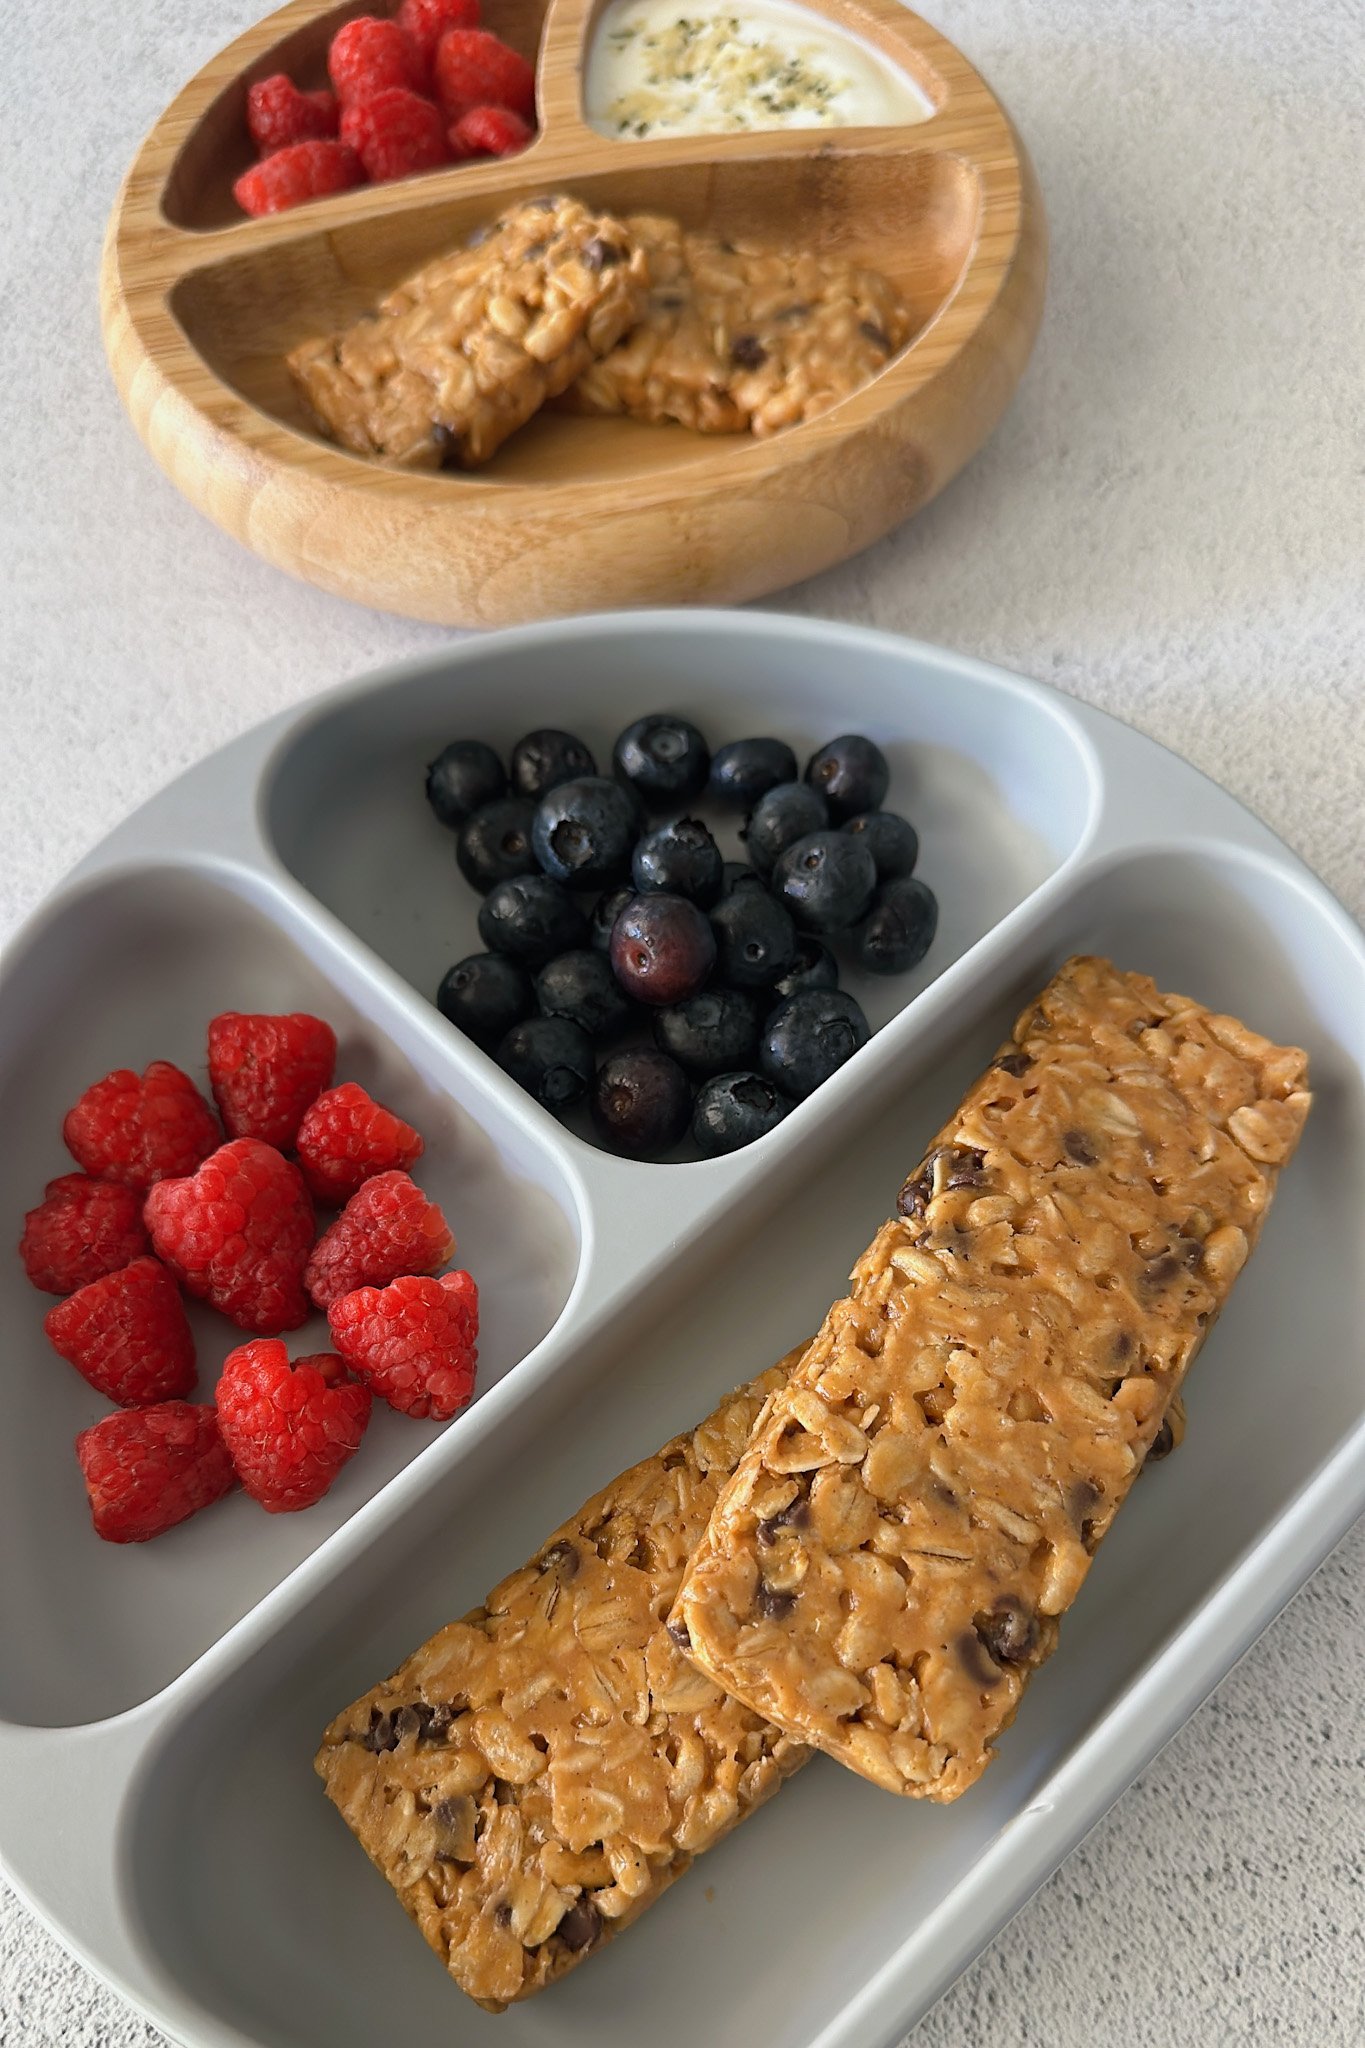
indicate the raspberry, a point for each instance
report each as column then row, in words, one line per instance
column 413, row 1341
column 346, row 1138
column 127, row 1334
column 395, row 133
column 81, row 1229
column 278, row 114
column 237, row 1234
column 424, row 22
column 141, row 1130
column 289, row 1429
column 386, row 1229
column 265, row 1071
column 146, row 1469
column 303, row 171
column 476, row 69
column 367, row 55
column 488, row 131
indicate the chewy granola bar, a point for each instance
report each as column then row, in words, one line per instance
column 538, row 1773
column 737, row 338
column 921, row 1501
column 464, row 352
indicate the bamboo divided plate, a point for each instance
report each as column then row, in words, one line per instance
column 200, row 305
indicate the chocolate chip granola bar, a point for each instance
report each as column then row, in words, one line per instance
column 921, row 1501
column 737, row 338
column 533, row 1778
column 464, row 352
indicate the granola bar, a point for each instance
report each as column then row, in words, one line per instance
column 533, row 1778
column 464, row 352
column 738, row 338
column 922, row 1500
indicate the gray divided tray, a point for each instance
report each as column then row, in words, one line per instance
column 159, row 1706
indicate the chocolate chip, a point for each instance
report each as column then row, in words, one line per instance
column 454, row 1820
column 876, row 335
column 913, row 1199
column 502, row 1915
column 380, row 1736
column 407, row 1722
column 1163, row 1443
column 561, row 1557
column 964, row 1167
column 536, row 249
column 747, row 352
column 441, row 1718
column 680, row 1634
column 580, row 1925
column 1079, row 1148
column 1123, row 1344
column 447, row 445
column 1015, row 1063
column 1008, row 1631
column 796, row 1515
column 1081, row 1498
column 976, row 1660
column 772, row 1604
column 600, row 255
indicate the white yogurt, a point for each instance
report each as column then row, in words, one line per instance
column 695, row 67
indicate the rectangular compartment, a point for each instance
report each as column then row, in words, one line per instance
column 838, row 1913
column 123, row 971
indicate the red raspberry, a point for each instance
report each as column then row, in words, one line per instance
column 424, row 22
column 148, row 1468
column 306, row 170
column 476, row 69
column 237, row 1234
column 278, row 114
column 413, row 1341
column 141, row 1130
column 81, row 1229
column 488, row 131
column 265, row 1071
column 387, row 1228
column 127, row 1334
column 347, row 1137
column 290, row 1429
column 367, row 55
column 395, row 133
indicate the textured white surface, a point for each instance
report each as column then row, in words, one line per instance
column 1169, row 524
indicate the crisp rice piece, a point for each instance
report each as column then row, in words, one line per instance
column 738, row 338
column 533, row 1778
column 463, row 353
column 921, row 1502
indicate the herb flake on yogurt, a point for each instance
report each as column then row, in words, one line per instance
column 713, row 69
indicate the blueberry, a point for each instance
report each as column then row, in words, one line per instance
column 486, row 995
column 547, row 757
column 852, row 775
column 641, row 1102
column 755, row 939
column 464, row 777
column 786, row 813
column 581, row 986
column 711, row 1033
column 495, row 843
column 584, row 831
column 892, row 841
column 813, row 966
column 551, row 1058
column 664, row 759
column 745, row 770
column 531, row 918
column 682, row 858
column 899, row 928
column 605, row 912
column 809, row 1036
column 662, row 949
column 737, row 874
column 734, row 1109
column 826, row 881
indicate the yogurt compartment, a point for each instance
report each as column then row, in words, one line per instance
column 707, row 69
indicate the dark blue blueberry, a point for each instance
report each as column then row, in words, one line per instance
column 664, row 759
column 734, row 1109
column 463, row 777
column 737, row 874
column 486, row 995
column 531, row 918
column 662, row 949
column 899, row 928
column 581, row 986
column 605, row 912
column 892, row 841
column 826, row 881
column 682, row 858
column 745, row 770
column 547, row 757
column 641, row 1102
column 495, row 843
column 584, row 831
column 851, row 774
column 711, row 1033
column 808, row 1037
column 755, row 939
column 813, row 967
column 551, row 1058
column 784, row 814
